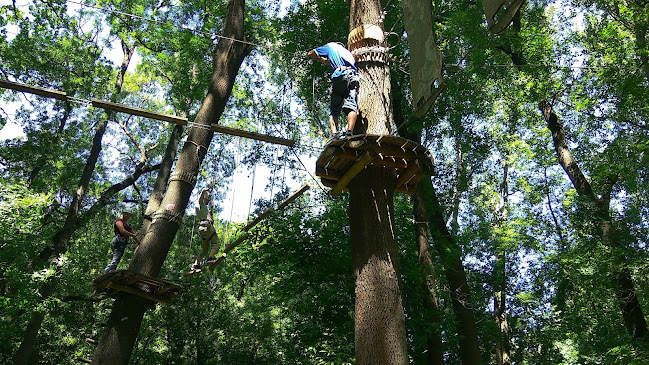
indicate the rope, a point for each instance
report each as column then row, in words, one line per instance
column 254, row 170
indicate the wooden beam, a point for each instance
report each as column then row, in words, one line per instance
column 411, row 171
column 139, row 293
column 48, row 93
column 255, row 221
column 351, row 173
column 295, row 195
column 253, row 135
column 139, row 112
column 230, row 247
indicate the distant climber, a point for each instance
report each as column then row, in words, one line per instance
column 205, row 212
column 123, row 231
column 344, row 84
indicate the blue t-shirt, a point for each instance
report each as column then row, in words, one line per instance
column 338, row 56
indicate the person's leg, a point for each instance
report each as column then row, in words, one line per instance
column 204, row 232
column 350, row 107
column 216, row 245
column 337, row 91
column 118, row 252
column 351, row 120
column 333, row 124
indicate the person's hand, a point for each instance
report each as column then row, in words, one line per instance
column 136, row 233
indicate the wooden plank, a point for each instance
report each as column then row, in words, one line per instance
column 328, row 174
column 139, row 112
column 351, row 173
column 48, row 93
column 133, row 278
column 229, row 248
column 294, row 196
column 406, row 189
column 255, row 221
column 329, row 183
column 408, row 174
column 139, row 293
column 253, row 135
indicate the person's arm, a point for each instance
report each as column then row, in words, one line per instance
column 123, row 231
column 314, row 55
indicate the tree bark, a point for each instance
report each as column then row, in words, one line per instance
column 61, row 238
column 435, row 349
column 380, row 335
column 634, row 320
column 450, row 254
column 118, row 339
column 434, row 346
column 503, row 349
column 163, row 178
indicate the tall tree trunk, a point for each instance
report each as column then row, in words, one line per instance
column 634, row 320
column 380, row 335
column 503, row 349
column 61, row 238
column 451, row 257
column 118, row 339
column 163, row 178
column 434, row 346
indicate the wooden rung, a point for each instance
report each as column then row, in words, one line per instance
column 230, row 247
column 255, row 221
column 351, row 173
column 253, row 135
column 137, row 111
column 48, row 93
column 91, row 341
column 295, row 195
column 84, row 360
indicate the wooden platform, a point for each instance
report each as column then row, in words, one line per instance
column 343, row 159
column 155, row 289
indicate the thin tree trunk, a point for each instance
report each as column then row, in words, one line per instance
column 435, row 349
column 434, row 346
column 503, row 349
column 124, row 323
column 162, row 179
column 380, row 336
column 634, row 320
column 450, row 254
column 61, row 238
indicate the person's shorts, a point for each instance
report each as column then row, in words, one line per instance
column 343, row 92
column 210, row 240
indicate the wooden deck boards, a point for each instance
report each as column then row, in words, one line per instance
column 342, row 159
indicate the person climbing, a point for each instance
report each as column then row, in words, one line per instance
column 204, row 212
column 344, row 84
column 123, row 231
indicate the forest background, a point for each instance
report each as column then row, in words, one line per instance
column 529, row 232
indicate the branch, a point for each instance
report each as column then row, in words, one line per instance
column 104, row 199
column 566, row 160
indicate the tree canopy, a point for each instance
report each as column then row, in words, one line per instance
column 538, row 199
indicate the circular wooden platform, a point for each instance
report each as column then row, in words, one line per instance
column 154, row 289
column 343, row 159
